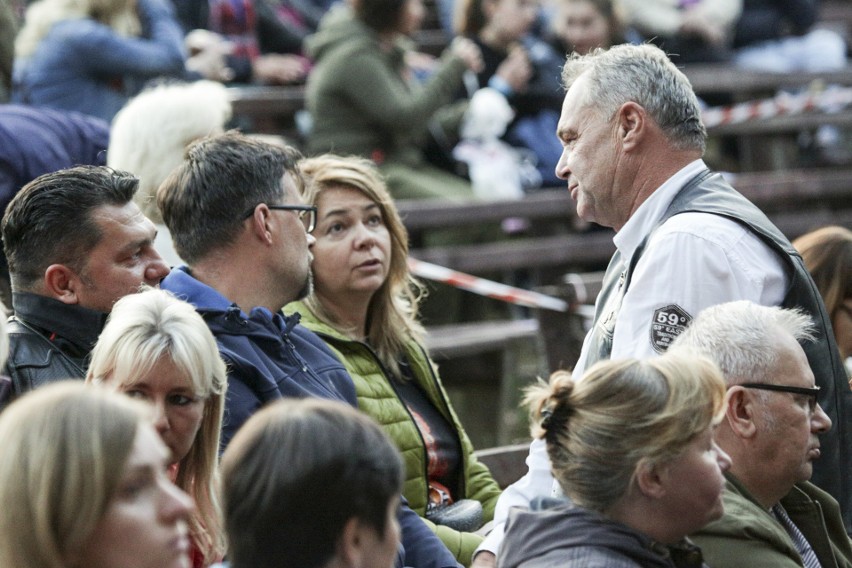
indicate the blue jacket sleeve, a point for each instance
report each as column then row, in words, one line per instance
column 422, row 548
column 160, row 52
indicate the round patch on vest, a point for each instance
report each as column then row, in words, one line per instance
column 667, row 323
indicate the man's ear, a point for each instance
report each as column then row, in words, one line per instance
column 632, row 124
column 62, row 283
column 349, row 544
column 740, row 412
column 260, row 223
column 651, row 479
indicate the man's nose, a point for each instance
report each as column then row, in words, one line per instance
column 820, row 422
column 562, row 170
column 157, row 269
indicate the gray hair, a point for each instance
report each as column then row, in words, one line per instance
column 645, row 75
column 741, row 337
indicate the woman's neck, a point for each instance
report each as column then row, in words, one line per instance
column 349, row 314
column 648, row 521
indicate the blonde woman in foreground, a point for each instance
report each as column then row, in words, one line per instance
column 83, row 484
column 632, row 448
column 158, row 349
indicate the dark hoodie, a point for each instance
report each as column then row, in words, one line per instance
column 565, row 535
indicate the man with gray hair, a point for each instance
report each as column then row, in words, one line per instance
column 632, row 142
column 774, row 517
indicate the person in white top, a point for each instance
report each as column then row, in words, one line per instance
column 632, row 145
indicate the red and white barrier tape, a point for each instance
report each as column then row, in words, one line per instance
column 484, row 287
column 830, row 99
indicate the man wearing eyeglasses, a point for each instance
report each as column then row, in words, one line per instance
column 234, row 212
column 774, row 517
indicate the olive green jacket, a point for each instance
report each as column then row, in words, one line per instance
column 377, row 397
column 748, row 535
column 361, row 102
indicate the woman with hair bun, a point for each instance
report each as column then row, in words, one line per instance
column 632, row 447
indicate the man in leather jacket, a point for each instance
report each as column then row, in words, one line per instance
column 76, row 243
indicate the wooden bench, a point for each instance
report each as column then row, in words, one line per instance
column 796, row 201
column 268, row 110
column 507, row 463
column 273, row 110
column 767, row 143
column 723, row 78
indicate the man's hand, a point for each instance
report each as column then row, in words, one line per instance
column 469, row 52
column 516, row 69
column 278, row 69
column 484, row 559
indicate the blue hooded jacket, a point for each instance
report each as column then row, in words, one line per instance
column 270, row 356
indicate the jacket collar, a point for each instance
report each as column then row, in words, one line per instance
column 81, row 326
column 210, row 302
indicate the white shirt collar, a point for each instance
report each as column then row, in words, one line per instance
column 651, row 211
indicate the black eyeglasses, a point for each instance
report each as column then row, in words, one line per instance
column 307, row 214
column 811, row 393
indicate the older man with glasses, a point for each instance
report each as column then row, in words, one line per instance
column 774, row 517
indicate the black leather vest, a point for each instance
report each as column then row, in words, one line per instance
column 710, row 193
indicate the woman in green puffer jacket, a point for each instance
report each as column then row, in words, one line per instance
column 364, row 305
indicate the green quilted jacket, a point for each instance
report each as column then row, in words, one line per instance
column 377, row 398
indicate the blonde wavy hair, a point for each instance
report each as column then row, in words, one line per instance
column 120, row 15
column 142, row 328
column 392, row 313
column 622, row 415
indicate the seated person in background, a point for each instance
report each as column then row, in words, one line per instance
column 583, row 25
column 76, row 243
column 91, row 56
column 827, row 253
column 523, row 68
column 364, row 100
column 777, row 36
column 365, row 305
column 631, row 445
column 149, row 135
column 690, row 31
column 303, row 16
column 263, row 48
column 774, row 518
column 158, row 349
column 297, row 495
column 36, row 141
column 83, row 482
